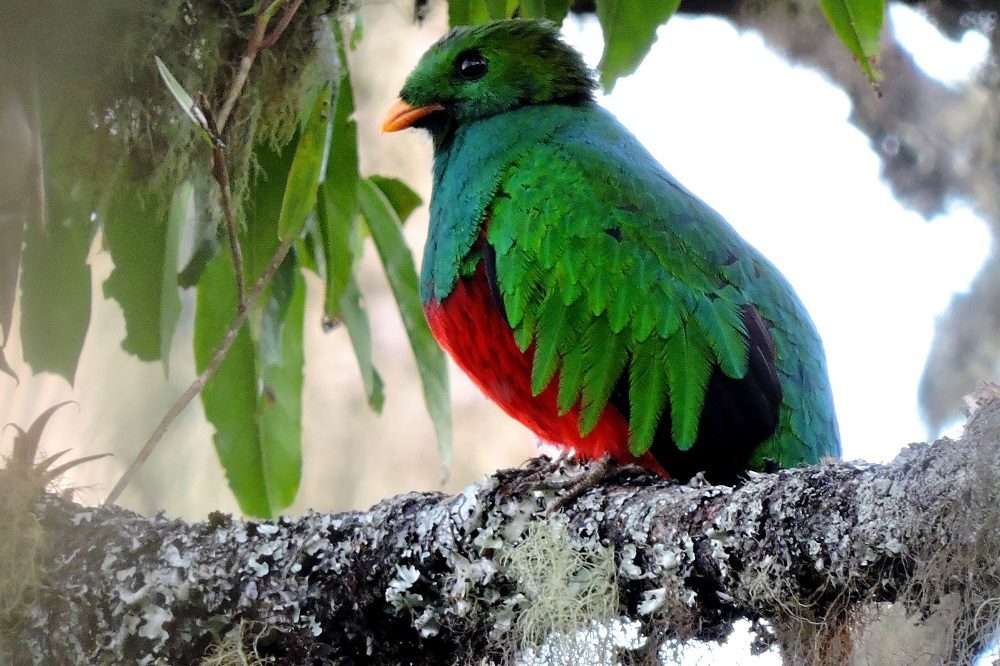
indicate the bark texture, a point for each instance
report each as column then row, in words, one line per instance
column 429, row 578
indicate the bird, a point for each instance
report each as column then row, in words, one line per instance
column 587, row 292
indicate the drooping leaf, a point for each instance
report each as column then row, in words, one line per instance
column 386, row 231
column 259, row 237
column 357, row 32
column 858, row 23
column 195, row 265
column 15, row 199
column 279, row 403
column 230, row 397
column 551, row 9
column 629, row 31
column 206, row 241
column 403, row 199
column 253, row 399
column 170, row 300
column 337, row 235
column 307, row 168
column 55, row 296
column 142, row 233
column 359, row 329
column 338, row 201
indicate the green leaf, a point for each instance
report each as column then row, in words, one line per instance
column 386, row 231
column 357, row 32
column 170, row 299
column 337, row 207
column 184, row 100
column 467, row 12
column 359, row 329
column 339, row 251
column 403, row 199
column 55, row 296
column 142, row 233
column 206, row 238
column 259, row 237
column 254, row 400
column 629, row 30
column 307, row 169
column 279, row 402
column 551, row 9
column 858, row 23
column 230, row 397
column 497, row 9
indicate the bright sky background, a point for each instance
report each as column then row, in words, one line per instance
column 769, row 146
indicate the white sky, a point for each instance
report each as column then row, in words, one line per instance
column 769, row 146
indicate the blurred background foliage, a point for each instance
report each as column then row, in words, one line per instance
column 117, row 223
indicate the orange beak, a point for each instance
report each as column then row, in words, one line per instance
column 401, row 115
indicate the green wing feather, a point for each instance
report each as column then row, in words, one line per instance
column 627, row 280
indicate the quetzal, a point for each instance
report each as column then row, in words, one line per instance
column 588, row 293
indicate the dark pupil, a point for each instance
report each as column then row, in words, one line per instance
column 472, row 65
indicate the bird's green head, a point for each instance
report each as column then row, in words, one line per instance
column 484, row 70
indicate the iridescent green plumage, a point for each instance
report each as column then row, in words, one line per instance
column 627, row 289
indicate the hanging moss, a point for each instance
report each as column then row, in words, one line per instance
column 88, row 70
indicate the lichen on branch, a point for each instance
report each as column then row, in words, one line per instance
column 810, row 556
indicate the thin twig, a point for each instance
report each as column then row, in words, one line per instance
column 220, row 171
column 286, row 17
column 246, row 62
column 206, row 375
column 259, row 40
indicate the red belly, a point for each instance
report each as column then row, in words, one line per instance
column 469, row 326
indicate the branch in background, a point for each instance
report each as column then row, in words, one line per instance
column 808, row 555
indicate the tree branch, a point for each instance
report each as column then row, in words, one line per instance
column 428, row 578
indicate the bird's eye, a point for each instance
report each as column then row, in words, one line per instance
column 472, row 65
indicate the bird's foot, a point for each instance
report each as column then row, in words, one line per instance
column 599, row 471
column 552, row 475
